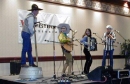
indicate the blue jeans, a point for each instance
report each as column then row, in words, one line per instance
column 27, row 48
column 110, row 52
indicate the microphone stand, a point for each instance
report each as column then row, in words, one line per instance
column 73, row 33
column 63, row 56
column 103, row 44
column 81, row 56
column 120, row 35
column 72, row 52
column 54, row 76
column 125, row 43
column 98, row 36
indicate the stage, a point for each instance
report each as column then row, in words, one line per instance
column 45, row 80
column 48, row 80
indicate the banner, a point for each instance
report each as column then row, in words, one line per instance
column 44, row 29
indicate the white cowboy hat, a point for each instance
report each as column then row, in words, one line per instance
column 109, row 26
column 67, row 26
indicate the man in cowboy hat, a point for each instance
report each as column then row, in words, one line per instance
column 26, row 33
column 108, row 39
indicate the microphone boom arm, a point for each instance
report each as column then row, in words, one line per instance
column 120, row 35
column 98, row 36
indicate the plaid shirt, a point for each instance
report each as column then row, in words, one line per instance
column 108, row 42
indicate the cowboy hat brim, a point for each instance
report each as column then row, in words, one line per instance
column 67, row 26
column 35, row 9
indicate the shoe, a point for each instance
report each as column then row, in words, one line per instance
column 33, row 65
column 86, row 72
column 70, row 76
column 24, row 65
column 63, row 75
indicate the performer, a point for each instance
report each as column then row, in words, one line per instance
column 64, row 40
column 86, row 51
column 26, row 34
column 108, row 39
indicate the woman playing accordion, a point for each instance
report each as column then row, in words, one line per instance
column 86, row 42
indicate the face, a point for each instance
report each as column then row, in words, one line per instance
column 63, row 29
column 36, row 12
column 87, row 32
column 108, row 30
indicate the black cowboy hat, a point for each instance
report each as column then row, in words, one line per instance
column 35, row 7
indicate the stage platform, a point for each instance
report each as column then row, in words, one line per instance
column 47, row 80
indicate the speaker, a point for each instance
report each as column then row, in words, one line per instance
column 96, row 74
column 18, row 67
column 15, row 66
column 12, row 67
column 127, row 66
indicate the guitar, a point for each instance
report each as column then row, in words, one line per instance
column 66, row 42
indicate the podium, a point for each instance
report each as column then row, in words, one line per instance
column 31, row 73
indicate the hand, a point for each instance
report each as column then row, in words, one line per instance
column 35, row 25
column 110, row 36
column 34, row 31
column 86, row 43
column 89, row 45
column 62, row 44
column 103, row 40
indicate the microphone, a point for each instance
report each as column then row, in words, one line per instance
column 94, row 33
column 46, row 40
column 119, row 42
column 76, row 39
column 75, row 31
column 37, row 22
column 117, row 31
column 129, row 40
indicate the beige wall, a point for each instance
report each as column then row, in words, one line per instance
column 80, row 19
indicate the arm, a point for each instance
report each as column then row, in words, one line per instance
column 113, row 37
column 84, row 40
column 31, row 25
column 103, row 38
